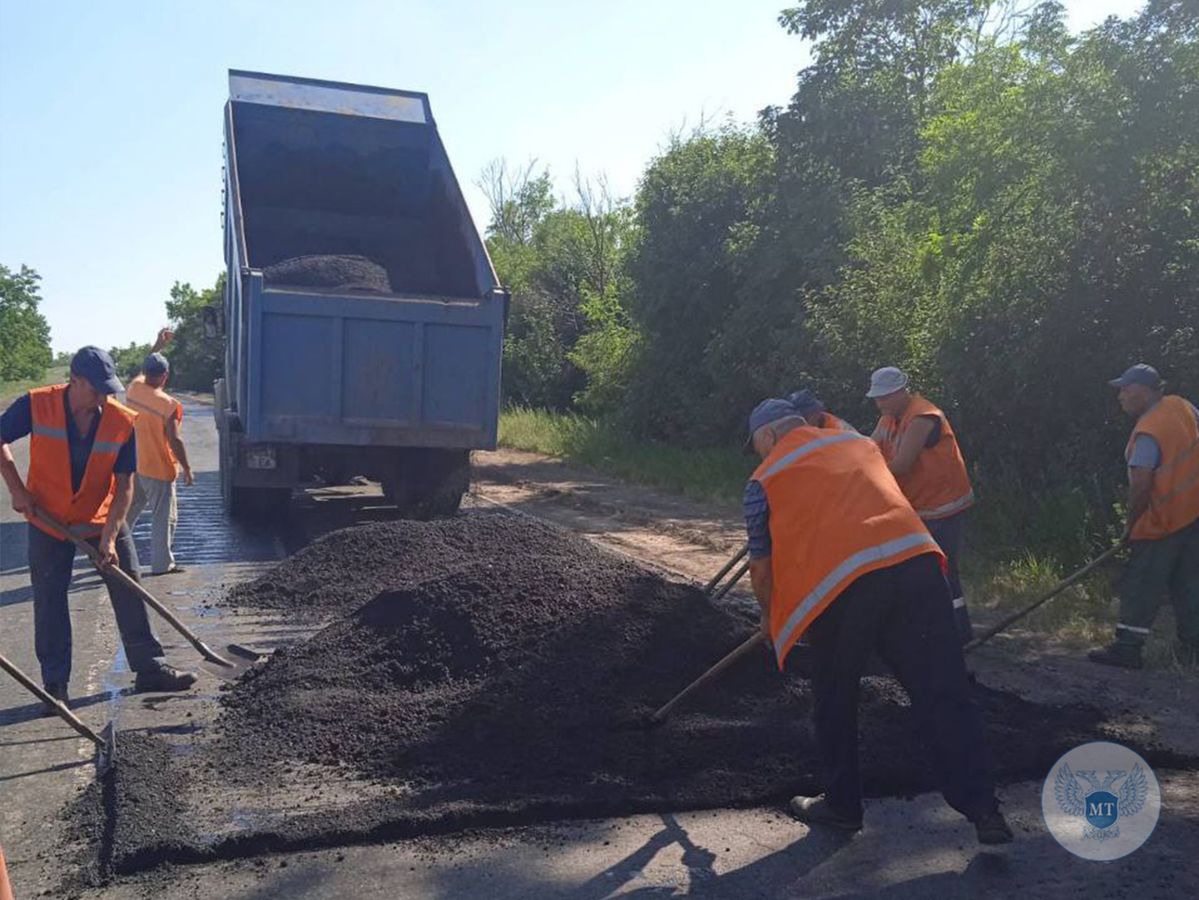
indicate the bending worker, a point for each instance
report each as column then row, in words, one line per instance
column 160, row 453
column 837, row 553
column 1163, row 518
column 923, row 455
column 815, row 413
column 82, row 457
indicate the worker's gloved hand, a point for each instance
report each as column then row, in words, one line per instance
column 187, row 477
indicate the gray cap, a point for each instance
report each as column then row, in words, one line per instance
column 1138, row 374
column 886, row 380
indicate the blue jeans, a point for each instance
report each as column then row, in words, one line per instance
column 50, row 565
column 947, row 533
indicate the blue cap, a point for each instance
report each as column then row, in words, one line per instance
column 156, row 364
column 1138, row 374
column 764, row 413
column 806, row 403
column 96, row 366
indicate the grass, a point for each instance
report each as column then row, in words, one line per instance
column 703, row 474
column 10, row 390
column 1019, row 542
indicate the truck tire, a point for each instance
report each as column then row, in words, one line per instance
column 428, row 484
column 246, row 503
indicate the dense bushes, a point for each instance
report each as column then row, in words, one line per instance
column 960, row 188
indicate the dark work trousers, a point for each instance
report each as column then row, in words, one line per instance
column 50, row 564
column 947, row 533
column 902, row 613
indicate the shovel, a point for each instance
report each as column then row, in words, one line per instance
column 248, row 656
column 105, row 741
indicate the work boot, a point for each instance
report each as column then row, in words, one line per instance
column 58, row 692
column 992, row 828
column 163, row 679
column 1121, row 653
column 816, row 811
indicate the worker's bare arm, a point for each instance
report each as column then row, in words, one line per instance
column 761, row 576
column 22, row 500
column 1140, row 488
column 122, row 498
column 179, row 450
column 914, row 438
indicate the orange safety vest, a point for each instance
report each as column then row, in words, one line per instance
column 155, row 408
column 834, row 423
column 937, row 485
column 836, row 513
column 84, row 511
column 1174, row 500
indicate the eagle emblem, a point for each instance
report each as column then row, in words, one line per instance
column 1101, row 804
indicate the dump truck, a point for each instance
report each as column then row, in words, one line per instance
column 363, row 319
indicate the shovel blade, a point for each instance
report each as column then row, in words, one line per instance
column 106, row 753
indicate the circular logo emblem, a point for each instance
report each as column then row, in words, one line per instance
column 1101, row 801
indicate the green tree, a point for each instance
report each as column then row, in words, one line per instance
column 128, row 360
column 24, row 334
column 196, row 359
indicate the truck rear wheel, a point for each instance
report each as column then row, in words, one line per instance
column 428, row 484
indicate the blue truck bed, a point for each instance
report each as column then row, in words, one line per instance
column 322, row 168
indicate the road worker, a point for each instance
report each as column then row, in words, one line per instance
column 1163, row 518
column 815, row 413
column 160, row 455
column 82, row 459
column 838, row 554
column 923, row 455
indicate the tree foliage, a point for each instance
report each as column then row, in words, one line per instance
column 24, row 335
column 196, row 359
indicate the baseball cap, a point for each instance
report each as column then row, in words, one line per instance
column 886, row 380
column 156, row 364
column 769, row 410
column 1138, row 374
column 97, row 367
column 806, row 403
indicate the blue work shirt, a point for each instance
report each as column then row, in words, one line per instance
column 1146, row 454
column 757, row 520
column 17, row 422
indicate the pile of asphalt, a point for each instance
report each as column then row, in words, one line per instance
column 493, row 671
column 344, row 273
column 342, row 570
column 515, row 674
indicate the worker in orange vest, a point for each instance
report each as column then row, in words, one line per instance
column 1163, row 518
column 922, row 452
column 161, row 455
column 815, row 413
column 82, row 458
column 837, row 553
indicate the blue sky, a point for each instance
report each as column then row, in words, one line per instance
column 110, row 142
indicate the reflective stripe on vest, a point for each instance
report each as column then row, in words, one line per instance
column 836, row 513
column 83, row 512
column 864, row 559
column 937, row 485
column 1174, row 500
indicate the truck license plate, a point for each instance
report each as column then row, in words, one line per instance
column 260, row 458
